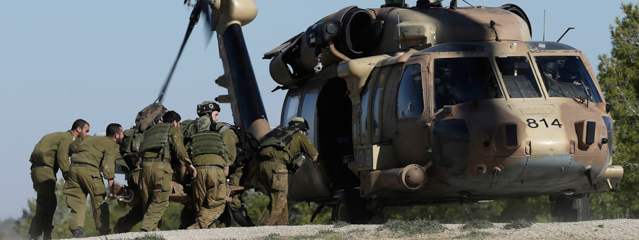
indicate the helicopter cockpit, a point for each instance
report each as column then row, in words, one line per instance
column 566, row 76
column 459, row 80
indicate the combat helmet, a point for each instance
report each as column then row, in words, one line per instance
column 207, row 107
column 552, row 68
column 299, row 122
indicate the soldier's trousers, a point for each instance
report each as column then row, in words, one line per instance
column 135, row 214
column 155, row 188
column 236, row 201
column 209, row 194
column 129, row 219
column 274, row 176
column 46, row 201
column 83, row 180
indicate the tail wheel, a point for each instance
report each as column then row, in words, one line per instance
column 570, row 209
column 352, row 208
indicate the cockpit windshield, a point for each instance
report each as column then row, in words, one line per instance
column 518, row 77
column 566, row 76
column 459, row 80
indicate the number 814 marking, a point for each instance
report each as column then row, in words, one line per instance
column 532, row 123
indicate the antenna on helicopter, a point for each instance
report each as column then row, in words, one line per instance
column 468, row 4
column 492, row 26
column 562, row 36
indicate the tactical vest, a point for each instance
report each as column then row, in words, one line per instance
column 156, row 138
column 129, row 148
column 131, row 141
column 209, row 142
column 279, row 138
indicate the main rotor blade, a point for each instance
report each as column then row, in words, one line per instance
column 195, row 16
column 208, row 27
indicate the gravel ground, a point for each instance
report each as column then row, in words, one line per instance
column 600, row 229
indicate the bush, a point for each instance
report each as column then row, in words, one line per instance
column 521, row 223
column 418, row 226
column 477, row 224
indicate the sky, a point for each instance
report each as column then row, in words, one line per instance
column 103, row 61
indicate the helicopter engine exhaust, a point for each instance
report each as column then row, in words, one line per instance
column 409, row 178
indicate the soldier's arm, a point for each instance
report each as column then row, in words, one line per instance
column 180, row 150
column 71, row 147
column 230, row 138
column 308, row 147
column 62, row 156
column 108, row 162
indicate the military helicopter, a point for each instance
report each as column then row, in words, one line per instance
column 427, row 104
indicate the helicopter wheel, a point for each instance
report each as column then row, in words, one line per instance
column 351, row 208
column 570, row 209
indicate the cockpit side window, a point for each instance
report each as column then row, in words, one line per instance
column 566, row 76
column 459, row 80
column 518, row 77
column 410, row 97
column 290, row 109
column 309, row 110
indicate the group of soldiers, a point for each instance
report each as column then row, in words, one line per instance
column 197, row 160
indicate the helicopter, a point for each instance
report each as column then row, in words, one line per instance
column 427, row 104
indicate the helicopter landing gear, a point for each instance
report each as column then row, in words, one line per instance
column 351, row 208
column 570, row 208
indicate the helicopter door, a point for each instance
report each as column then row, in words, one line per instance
column 412, row 132
column 307, row 182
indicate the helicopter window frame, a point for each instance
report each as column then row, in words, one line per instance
column 365, row 110
column 588, row 79
column 418, row 96
column 287, row 107
column 529, row 76
column 310, row 95
column 442, row 89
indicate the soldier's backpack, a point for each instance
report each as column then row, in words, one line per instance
column 245, row 148
column 185, row 128
column 146, row 118
column 280, row 138
column 149, row 116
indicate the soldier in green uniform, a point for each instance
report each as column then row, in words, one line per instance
column 235, row 207
column 89, row 155
column 277, row 151
column 162, row 143
column 129, row 150
column 50, row 154
column 210, row 157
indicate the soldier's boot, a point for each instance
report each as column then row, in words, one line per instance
column 240, row 219
column 105, row 232
column 78, row 232
column 47, row 236
column 34, row 237
column 194, row 226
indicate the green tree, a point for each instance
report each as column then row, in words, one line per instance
column 170, row 219
column 619, row 79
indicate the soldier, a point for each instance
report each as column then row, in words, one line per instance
column 89, row 155
column 50, row 154
column 235, row 208
column 162, row 143
column 129, row 151
column 277, row 151
column 210, row 157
